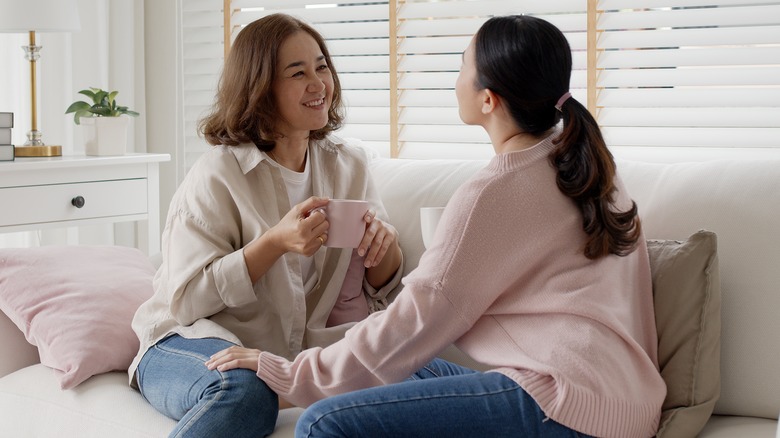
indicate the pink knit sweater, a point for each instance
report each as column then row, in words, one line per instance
column 506, row 281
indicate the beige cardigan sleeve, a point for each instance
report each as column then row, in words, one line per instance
column 204, row 269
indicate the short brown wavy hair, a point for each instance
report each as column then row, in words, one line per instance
column 245, row 109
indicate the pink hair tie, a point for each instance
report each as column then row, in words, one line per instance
column 563, row 99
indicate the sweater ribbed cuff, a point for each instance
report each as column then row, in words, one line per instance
column 275, row 371
column 585, row 411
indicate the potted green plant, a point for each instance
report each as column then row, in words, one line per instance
column 105, row 132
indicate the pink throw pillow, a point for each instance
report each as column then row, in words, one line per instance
column 76, row 303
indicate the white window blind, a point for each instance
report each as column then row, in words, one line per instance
column 399, row 91
column 357, row 34
column 656, row 73
column 202, row 58
column 431, row 37
column 689, row 73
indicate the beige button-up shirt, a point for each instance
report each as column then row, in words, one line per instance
column 230, row 197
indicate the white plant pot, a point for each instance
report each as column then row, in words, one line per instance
column 105, row 135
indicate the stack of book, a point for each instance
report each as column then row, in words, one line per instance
column 7, row 152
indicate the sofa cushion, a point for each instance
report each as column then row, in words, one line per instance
column 686, row 292
column 728, row 426
column 102, row 406
column 12, row 339
column 76, row 303
column 405, row 186
column 739, row 200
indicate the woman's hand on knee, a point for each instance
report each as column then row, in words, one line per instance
column 234, row 357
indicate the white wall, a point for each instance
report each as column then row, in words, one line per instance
column 163, row 103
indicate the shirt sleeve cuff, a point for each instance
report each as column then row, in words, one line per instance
column 232, row 280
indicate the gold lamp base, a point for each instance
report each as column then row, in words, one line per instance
column 38, row 151
column 34, row 147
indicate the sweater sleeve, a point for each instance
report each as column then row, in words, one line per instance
column 386, row 347
column 315, row 374
column 390, row 345
column 467, row 268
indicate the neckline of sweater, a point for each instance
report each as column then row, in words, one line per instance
column 508, row 161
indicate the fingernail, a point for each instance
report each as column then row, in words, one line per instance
column 361, row 252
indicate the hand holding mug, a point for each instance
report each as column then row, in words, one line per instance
column 303, row 229
column 378, row 238
column 353, row 225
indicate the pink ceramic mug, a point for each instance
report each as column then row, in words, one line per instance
column 347, row 225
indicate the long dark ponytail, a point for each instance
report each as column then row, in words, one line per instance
column 527, row 62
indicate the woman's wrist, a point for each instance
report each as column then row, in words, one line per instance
column 261, row 254
column 270, row 241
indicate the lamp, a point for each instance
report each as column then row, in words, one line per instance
column 37, row 16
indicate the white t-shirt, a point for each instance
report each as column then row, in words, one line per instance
column 298, row 190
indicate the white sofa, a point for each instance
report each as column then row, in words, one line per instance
column 737, row 198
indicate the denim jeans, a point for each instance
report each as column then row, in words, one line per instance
column 235, row 403
column 440, row 400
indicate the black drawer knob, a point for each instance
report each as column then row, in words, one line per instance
column 78, row 201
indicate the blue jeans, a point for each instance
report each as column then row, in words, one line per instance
column 235, row 403
column 440, row 400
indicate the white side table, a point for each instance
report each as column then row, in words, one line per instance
column 38, row 193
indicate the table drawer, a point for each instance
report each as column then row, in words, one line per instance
column 53, row 203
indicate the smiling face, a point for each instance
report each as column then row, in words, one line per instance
column 466, row 89
column 303, row 87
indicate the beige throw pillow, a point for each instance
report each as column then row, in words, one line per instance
column 686, row 291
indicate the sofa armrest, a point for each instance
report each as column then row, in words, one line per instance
column 17, row 353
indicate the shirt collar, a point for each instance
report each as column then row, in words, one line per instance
column 249, row 156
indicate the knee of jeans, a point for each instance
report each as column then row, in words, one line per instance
column 318, row 420
column 306, row 422
column 245, row 385
column 249, row 397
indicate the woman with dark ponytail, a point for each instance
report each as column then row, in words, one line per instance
column 537, row 102
column 538, row 269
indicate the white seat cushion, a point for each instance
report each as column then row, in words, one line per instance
column 738, row 200
column 33, row 405
column 743, row 427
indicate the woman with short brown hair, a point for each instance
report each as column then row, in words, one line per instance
column 245, row 109
column 243, row 257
